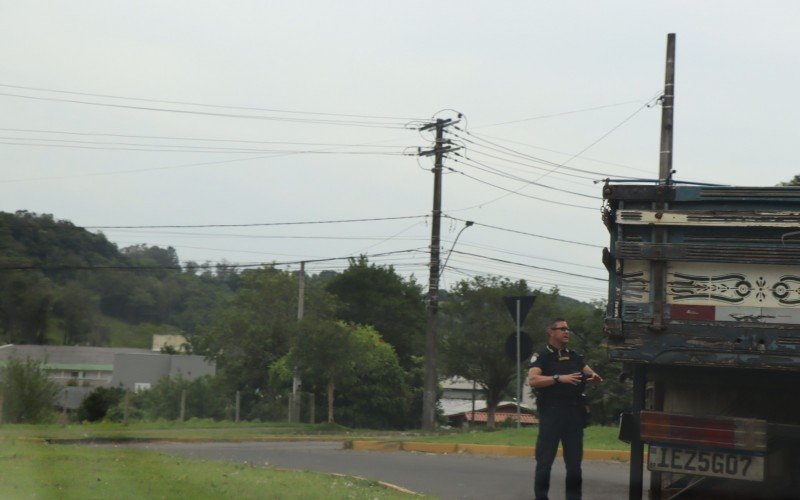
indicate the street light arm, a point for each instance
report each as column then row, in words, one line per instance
column 446, row 260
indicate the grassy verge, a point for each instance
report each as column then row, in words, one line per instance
column 194, row 429
column 595, row 437
column 80, row 472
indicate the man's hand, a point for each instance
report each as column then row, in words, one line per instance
column 594, row 377
column 572, row 378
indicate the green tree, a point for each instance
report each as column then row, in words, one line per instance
column 378, row 296
column 476, row 325
column 794, row 182
column 28, row 395
column 256, row 327
column 358, row 371
column 26, row 300
column 97, row 404
column 76, row 309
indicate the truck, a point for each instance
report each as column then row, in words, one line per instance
column 703, row 311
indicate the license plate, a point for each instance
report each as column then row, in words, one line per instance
column 727, row 464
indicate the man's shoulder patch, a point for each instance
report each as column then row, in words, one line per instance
column 535, row 357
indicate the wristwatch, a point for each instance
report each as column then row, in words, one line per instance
column 555, row 378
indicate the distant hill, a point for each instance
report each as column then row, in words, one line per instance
column 60, row 283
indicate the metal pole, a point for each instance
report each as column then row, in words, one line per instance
column 519, row 368
column 430, row 382
column 637, row 446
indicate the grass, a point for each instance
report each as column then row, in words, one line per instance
column 81, row 472
column 595, row 437
column 193, row 429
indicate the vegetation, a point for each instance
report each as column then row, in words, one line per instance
column 27, row 394
column 64, row 471
column 358, row 348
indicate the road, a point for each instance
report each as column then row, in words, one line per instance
column 451, row 476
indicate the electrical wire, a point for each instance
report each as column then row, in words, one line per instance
column 515, row 231
column 488, row 169
column 510, row 192
column 246, row 108
column 162, row 137
column 262, row 224
column 350, row 123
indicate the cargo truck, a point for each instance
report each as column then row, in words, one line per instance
column 704, row 312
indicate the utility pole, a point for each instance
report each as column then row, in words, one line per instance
column 430, row 382
column 294, row 411
column 667, row 103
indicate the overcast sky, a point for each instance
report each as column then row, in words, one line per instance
column 211, row 113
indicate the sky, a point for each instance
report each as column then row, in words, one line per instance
column 245, row 116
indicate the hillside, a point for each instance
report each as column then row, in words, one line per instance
column 61, row 284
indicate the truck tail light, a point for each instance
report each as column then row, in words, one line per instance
column 716, row 432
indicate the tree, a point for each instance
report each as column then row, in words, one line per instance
column 76, row 309
column 97, row 404
column 378, row 296
column 28, row 395
column 358, row 371
column 256, row 327
column 26, row 300
column 476, row 324
column 794, row 182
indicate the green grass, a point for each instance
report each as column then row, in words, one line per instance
column 595, row 437
column 82, row 472
column 193, row 429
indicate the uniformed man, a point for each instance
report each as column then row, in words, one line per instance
column 559, row 375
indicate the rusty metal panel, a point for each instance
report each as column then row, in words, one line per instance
column 711, row 252
column 636, row 192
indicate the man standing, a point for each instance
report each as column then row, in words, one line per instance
column 559, row 376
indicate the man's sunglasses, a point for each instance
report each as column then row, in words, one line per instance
column 562, row 328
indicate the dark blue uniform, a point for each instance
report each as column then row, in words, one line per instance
column 561, row 418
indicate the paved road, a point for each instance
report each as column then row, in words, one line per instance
column 445, row 476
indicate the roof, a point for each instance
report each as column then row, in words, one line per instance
column 68, row 357
column 452, row 407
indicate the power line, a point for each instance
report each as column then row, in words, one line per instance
column 492, row 170
column 173, row 138
column 525, row 233
column 262, row 224
column 566, row 273
column 552, row 115
column 509, row 192
column 514, row 153
column 595, row 160
column 198, row 266
column 216, row 106
column 222, row 115
column 200, row 149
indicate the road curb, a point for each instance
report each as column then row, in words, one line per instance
column 476, row 449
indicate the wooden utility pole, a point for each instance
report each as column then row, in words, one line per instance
column 294, row 409
column 667, row 107
column 430, row 381
column 238, row 405
column 658, row 274
column 183, row 405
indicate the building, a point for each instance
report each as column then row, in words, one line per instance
column 457, row 399
column 81, row 369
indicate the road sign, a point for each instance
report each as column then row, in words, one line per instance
column 525, row 304
column 525, row 346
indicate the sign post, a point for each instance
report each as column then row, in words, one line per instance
column 519, row 307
